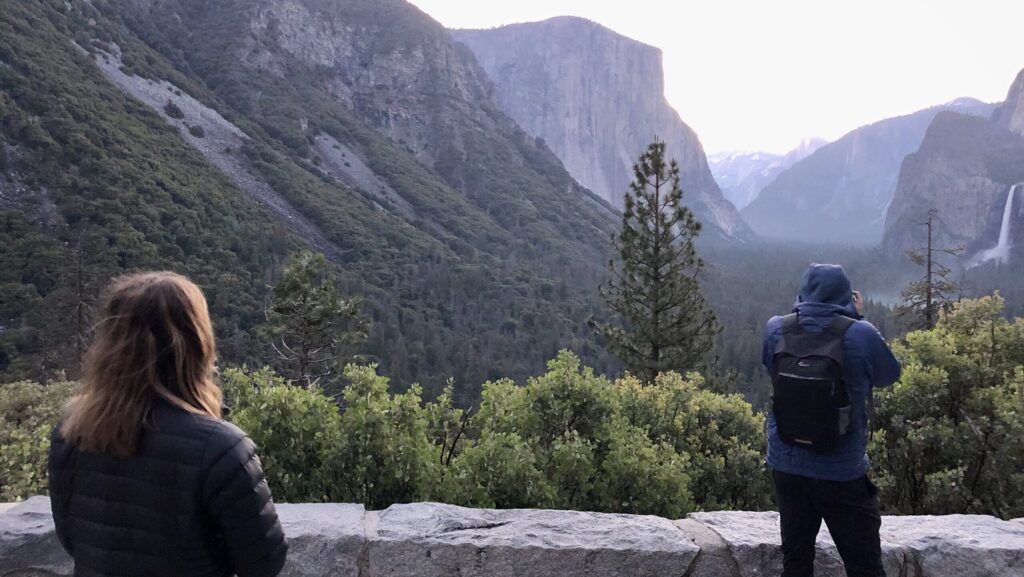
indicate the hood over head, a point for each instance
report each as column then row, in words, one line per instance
column 826, row 289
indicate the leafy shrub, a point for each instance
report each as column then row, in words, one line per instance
column 296, row 431
column 721, row 434
column 950, row 435
column 568, row 439
column 28, row 413
column 639, row 476
column 499, row 470
column 197, row 131
column 385, row 455
column 573, row 439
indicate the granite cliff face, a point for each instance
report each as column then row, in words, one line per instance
column 742, row 175
column 597, row 99
column 1011, row 114
column 841, row 193
column 400, row 71
column 964, row 169
column 389, row 63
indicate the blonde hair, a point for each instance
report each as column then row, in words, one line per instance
column 154, row 341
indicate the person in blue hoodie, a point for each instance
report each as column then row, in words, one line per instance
column 811, row 486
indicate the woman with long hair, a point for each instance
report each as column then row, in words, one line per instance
column 145, row 477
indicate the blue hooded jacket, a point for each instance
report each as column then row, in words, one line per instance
column 868, row 362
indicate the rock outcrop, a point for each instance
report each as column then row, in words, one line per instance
column 842, row 192
column 218, row 140
column 1011, row 114
column 597, row 99
column 964, row 170
column 953, row 174
column 435, row 540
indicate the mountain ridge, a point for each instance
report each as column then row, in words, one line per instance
column 573, row 83
column 843, row 190
column 477, row 252
column 742, row 174
column 964, row 169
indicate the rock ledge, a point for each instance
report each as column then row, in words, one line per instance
column 437, row 540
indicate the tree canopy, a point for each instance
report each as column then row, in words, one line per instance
column 654, row 292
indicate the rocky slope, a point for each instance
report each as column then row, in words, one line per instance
column 597, row 99
column 216, row 137
column 742, row 175
column 840, row 194
column 964, row 169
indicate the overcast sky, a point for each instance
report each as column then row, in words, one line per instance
column 761, row 75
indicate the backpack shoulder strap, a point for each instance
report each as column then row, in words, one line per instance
column 839, row 325
column 791, row 323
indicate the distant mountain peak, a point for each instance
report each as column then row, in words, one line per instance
column 843, row 190
column 967, row 169
column 597, row 99
column 962, row 102
column 1011, row 114
column 742, row 174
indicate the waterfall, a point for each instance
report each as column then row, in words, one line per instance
column 1004, row 229
column 1001, row 251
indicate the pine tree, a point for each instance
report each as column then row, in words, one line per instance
column 924, row 298
column 83, row 265
column 310, row 324
column 655, row 293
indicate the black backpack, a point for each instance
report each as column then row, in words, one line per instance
column 810, row 400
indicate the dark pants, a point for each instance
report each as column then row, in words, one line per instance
column 850, row 511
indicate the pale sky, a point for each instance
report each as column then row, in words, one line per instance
column 763, row 74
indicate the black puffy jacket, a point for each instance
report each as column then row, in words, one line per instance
column 192, row 501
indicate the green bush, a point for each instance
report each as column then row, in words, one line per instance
column 385, row 455
column 499, row 470
column 297, row 432
column 573, row 439
column 639, row 476
column 28, row 413
column 950, row 433
column 567, row 439
column 173, row 110
column 721, row 434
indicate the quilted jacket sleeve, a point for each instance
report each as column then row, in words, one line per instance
column 239, row 503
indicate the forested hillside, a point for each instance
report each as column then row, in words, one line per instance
column 216, row 139
column 478, row 254
column 93, row 184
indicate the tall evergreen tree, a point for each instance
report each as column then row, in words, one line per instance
column 310, row 324
column 654, row 291
column 924, row 298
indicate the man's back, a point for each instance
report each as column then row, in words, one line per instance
column 830, row 485
column 868, row 362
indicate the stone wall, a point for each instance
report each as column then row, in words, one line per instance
column 434, row 540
